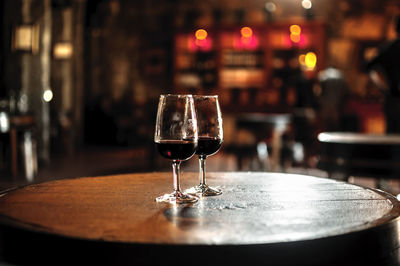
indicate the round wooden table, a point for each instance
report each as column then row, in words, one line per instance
column 261, row 218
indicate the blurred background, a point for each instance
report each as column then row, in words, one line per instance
column 80, row 80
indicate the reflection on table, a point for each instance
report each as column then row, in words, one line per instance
column 261, row 218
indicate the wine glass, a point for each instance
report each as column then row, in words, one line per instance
column 210, row 135
column 176, row 139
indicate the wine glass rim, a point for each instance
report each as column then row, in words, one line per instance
column 176, row 95
column 205, row 96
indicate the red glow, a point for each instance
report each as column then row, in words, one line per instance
column 286, row 42
column 247, row 43
column 200, row 45
column 303, row 42
column 297, row 40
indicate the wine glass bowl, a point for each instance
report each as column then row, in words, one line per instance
column 210, row 138
column 176, row 139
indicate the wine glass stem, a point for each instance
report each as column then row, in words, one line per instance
column 202, row 166
column 176, row 172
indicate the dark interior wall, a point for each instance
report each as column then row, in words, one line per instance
column 16, row 13
column 2, row 88
column 26, row 72
column 11, row 16
column 68, row 74
column 121, row 37
column 127, row 51
column 129, row 46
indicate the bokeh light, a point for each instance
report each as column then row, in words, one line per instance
column 295, row 29
column 302, row 59
column 47, row 95
column 246, row 32
column 306, row 4
column 310, row 60
column 270, row 7
column 295, row 38
column 201, row 34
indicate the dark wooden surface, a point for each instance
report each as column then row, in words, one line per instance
column 261, row 218
column 360, row 154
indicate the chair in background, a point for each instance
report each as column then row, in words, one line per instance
column 23, row 145
column 361, row 155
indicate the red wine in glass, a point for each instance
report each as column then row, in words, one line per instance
column 176, row 149
column 208, row 145
column 210, row 138
column 176, row 137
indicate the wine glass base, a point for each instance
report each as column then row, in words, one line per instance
column 203, row 190
column 177, row 197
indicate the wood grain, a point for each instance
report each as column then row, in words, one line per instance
column 258, row 210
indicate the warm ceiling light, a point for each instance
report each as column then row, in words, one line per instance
column 201, row 34
column 47, row 95
column 270, row 7
column 246, row 32
column 295, row 29
column 295, row 38
column 306, row 4
column 302, row 59
column 62, row 50
column 311, row 60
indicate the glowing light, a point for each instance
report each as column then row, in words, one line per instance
column 47, row 95
column 306, row 4
column 4, row 122
column 295, row 38
column 302, row 59
column 246, row 32
column 310, row 60
column 63, row 50
column 201, row 34
column 270, row 7
column 295, row 32
column 295, row 29
column 200, row 41
column 247, row 40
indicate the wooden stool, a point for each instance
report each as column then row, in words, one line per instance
column 23, row 124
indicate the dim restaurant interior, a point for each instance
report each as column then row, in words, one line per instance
column 306, row 100
column 80, row 81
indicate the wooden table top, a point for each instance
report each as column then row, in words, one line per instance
column 269, row 213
